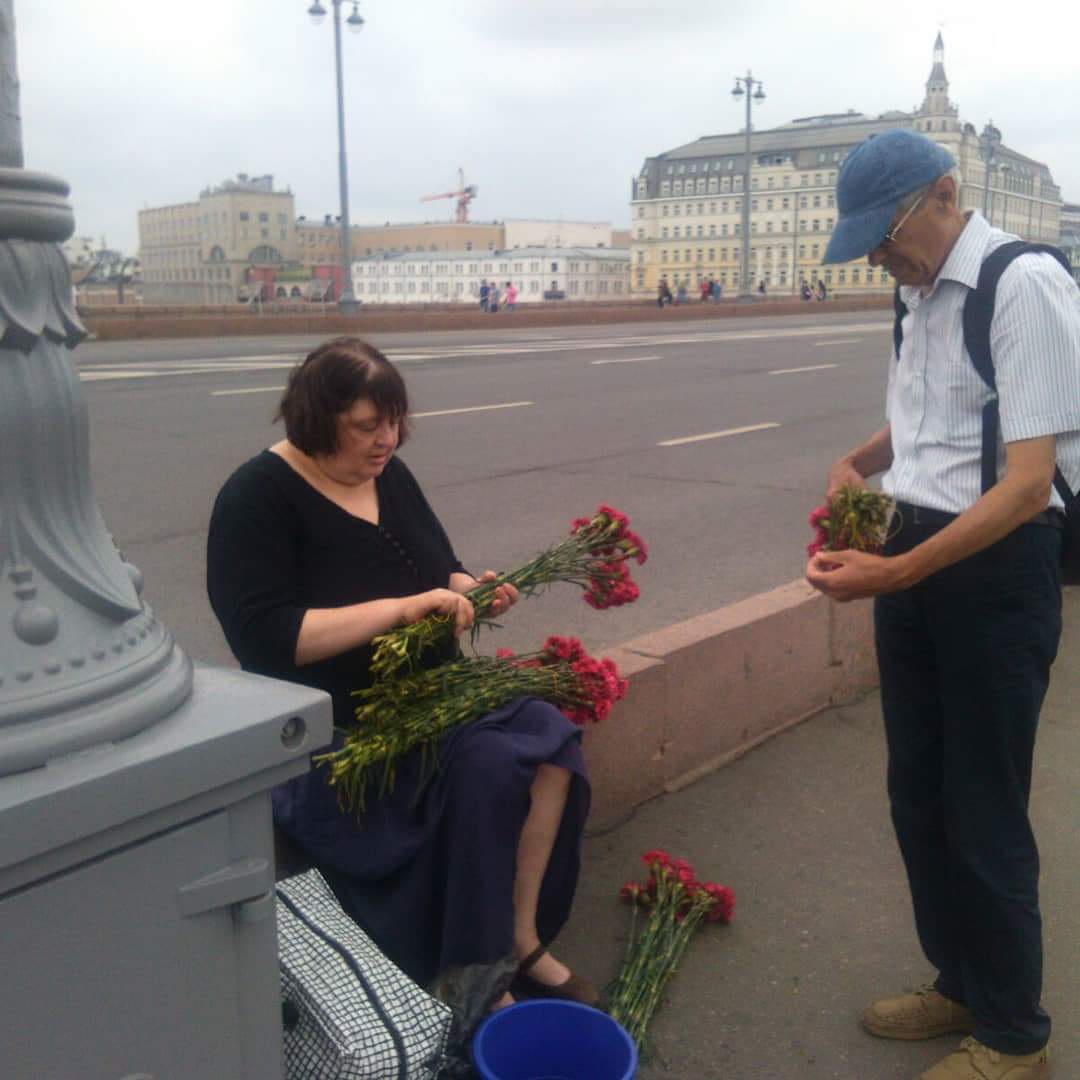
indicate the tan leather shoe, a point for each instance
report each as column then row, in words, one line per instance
column 973, row 1061
column 925, row 1014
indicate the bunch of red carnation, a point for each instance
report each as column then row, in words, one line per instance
column 595, row 557
column 854, row 517
column 719, row 900
column 608, row 536
column 600, row 681
column 597, row 683
column 676, row 904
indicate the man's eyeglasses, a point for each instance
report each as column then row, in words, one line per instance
column 890, row 236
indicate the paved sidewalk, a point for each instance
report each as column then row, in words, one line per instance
column 800, row 829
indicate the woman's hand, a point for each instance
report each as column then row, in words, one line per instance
column 439, row 602
column 506, row 595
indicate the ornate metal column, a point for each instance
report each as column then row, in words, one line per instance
column 83, row 660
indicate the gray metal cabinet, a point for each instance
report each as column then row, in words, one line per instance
column 146, row 946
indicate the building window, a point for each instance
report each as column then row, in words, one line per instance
column 264, row 217
column 244, row 215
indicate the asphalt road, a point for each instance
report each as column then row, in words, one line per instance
column 713, row 438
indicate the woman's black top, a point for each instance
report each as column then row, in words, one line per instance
column 277, row 547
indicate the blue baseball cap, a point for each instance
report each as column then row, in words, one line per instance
column 876, row 175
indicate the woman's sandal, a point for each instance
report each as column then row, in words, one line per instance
column 574, row 988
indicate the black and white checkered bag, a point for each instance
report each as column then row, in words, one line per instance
column 349, row 1013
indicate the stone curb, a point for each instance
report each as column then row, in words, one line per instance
column 118, row 324
column 705, row 691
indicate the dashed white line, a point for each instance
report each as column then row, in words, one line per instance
column 718, row 434
column 623, row 360
column 246, row 390
column 838, row 341
column 473, row 408
column 794, row 370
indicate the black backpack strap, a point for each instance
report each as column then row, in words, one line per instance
column 899, row 311
column 978, row 316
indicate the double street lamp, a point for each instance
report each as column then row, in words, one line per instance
column 346, row 300
column 746, row 85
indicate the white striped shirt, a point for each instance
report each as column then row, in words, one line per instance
column 935, row 395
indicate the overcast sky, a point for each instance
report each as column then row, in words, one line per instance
column 550, row 106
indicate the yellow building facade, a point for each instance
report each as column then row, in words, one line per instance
column 201, row 252
column 686, row 206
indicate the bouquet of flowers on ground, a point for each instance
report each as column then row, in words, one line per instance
column 595, row 557
column 855, row 518
column 674, row 904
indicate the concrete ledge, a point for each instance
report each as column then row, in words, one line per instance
column 145, row 322
column 706, row 690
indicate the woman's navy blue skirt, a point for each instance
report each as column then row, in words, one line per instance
column 431, row 880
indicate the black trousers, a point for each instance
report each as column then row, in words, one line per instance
column 965, row 659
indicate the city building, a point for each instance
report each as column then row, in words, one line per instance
column 539, row 273
column 319, row 243
column 686, row 203
column 1070, row 235
column 241, row 240
column 208, row 252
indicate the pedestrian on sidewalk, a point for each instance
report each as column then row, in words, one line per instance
column 493, row 298
column 822, row 292
column 663, row 294
column 967, row 612
column 485, row 292
column 680, row 293
column 511, row 296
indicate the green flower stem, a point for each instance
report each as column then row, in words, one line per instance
column 653, row 956
column 396, row 717
column 573, row 560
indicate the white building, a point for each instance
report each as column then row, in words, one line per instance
column 528, row 232
column 539, row 273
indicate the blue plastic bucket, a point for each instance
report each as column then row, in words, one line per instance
column 553, row 1040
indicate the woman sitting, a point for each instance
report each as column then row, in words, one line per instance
column 318, row 545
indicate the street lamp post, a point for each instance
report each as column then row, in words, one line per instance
column 989, row 141
column 745, row 85
column 347, row 302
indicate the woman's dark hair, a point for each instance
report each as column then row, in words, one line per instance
column 332, row 379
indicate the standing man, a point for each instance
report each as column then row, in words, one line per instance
column 968, row 610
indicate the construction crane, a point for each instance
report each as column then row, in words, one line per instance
column 464, row 195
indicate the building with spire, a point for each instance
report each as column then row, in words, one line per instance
column 686, row 203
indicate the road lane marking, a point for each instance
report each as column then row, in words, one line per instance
column 472, row 408
column 717, row 434
column 793, row 370
column 838, row 341
column 144, row 369
column 623, row 360
column 246, row 390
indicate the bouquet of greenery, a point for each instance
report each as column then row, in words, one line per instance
column 397, row 715
column 855, row 518
column 675, row 905
column 595, row 557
